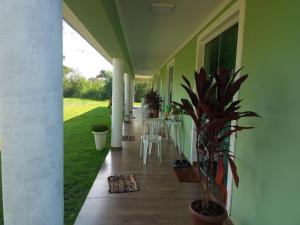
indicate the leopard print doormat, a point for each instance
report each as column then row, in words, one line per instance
column 122, row 184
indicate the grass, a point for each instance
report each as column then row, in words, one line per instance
column 137, row 104
column 81, row 161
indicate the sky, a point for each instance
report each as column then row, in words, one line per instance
column 80, row 55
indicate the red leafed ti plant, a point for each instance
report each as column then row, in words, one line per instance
column 215, row 114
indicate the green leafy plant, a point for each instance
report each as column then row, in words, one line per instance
column 176, row 110
column 77, row 86
column 215, row 114
column 153, row 101
column 167, row 108
column 99, row 128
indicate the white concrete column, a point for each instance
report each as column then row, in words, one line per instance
column 132, row 94
column 127, row 97
column 117, row 103
column 31, row 111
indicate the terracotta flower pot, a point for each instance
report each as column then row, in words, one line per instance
column 154, row 114
column 200, row 219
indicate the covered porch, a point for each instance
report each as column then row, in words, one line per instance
column 160, row 41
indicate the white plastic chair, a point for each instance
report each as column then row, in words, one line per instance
column 144, row 110
column 151, row 129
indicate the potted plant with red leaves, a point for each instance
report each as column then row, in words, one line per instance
column 153, row 101
column 215, row 114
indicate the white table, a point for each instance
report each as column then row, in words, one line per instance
column 174, row 128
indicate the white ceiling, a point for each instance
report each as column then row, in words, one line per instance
column 153, row 38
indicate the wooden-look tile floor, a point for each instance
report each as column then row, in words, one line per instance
column 162, row 200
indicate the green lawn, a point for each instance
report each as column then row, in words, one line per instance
column 137, row 104
column 81, row 161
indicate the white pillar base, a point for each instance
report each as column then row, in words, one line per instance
column 132, row 94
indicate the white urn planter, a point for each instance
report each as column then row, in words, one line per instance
column 100, row 139
column 100, row 132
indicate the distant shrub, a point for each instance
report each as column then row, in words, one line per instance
column 77, row 86
column 98, row 88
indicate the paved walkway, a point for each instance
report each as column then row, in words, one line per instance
column 162, row 200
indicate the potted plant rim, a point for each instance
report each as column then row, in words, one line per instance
column 100, row 131
column 215, row 113
column 153, row 102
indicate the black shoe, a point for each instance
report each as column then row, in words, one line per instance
column 177, row 163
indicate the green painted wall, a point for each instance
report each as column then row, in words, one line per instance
column 268, row 157
column 154, row 82
column 185, row 63
column 163, row 76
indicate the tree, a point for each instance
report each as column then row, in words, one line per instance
column 74, row 85
column 104, row 74
column 77, row 86
column 67, row 70
column 140, row 90
column 107, row 88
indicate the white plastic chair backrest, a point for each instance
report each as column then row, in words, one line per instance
column 144, row 110
column 153, row 125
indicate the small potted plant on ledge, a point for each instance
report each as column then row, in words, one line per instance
column 176, row 112
column 100, row 132
column 152, row 100
column 215, row 114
